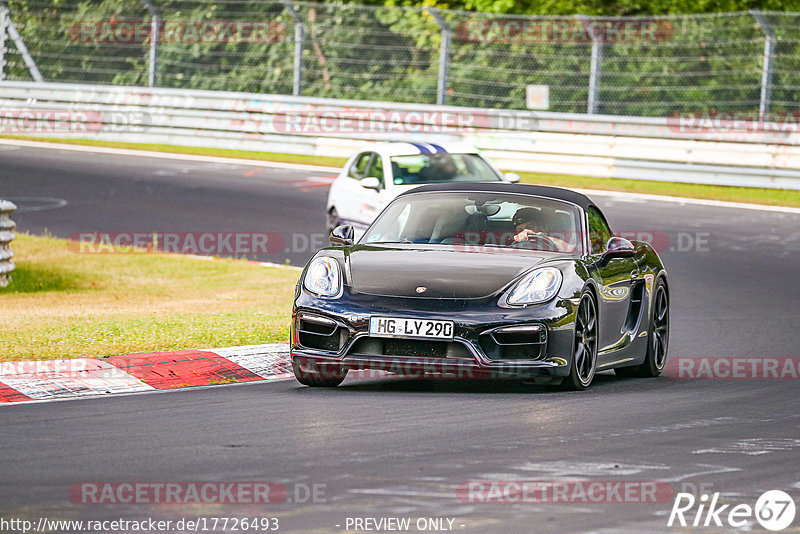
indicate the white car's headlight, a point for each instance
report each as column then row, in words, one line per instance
column 538, row 286
column 323, row 277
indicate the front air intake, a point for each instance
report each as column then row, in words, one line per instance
column 519, row 342
column 321, row 333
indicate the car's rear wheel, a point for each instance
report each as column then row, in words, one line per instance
column 320, row 377
column 584, row 348
column 657, row 338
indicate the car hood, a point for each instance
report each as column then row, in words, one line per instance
column 444, row 272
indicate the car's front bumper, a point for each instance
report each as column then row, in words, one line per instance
column 478, row 349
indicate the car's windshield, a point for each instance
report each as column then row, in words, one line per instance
column 441, row 167
column 482, row 219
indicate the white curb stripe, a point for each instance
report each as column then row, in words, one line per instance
column 80, row 377
column 51, row 380
column 270, row 362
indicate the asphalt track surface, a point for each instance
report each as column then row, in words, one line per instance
column 399, row 448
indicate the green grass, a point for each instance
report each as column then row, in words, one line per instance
column 201, row 151
column 61, row 304
column 776, row 197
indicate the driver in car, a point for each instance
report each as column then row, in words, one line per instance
column 529, row 224
column 441, row 168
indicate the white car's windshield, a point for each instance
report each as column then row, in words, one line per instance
column 479, row 219
column 444, row 167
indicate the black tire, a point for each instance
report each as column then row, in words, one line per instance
column 332, row 219
column 322, row 377
column 584, row 348
column 657, row 338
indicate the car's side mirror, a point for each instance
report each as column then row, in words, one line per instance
column 619, row 247
column 371, row 182
column 342, row 235
column 512, row 177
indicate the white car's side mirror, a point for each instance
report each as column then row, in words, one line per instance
column 371, row 183
column 512, row 177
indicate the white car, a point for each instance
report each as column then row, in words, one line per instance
column 376, row 174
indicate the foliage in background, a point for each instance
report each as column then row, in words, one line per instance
column 391, row 52
column 608, row 8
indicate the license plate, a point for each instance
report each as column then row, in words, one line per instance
column 418, row 328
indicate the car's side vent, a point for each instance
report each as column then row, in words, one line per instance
column 522, row 342
column 635, row 308
column 316, row 332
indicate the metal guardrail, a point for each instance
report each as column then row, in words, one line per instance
column 562, row 143
column 7, row 227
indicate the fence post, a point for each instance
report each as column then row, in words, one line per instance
column 594, row 69
column 155, row 23
column 21, row 48
column 6, row 236
column 766, row 70
column 299, row 38
column 3, row 50
column 444, row 56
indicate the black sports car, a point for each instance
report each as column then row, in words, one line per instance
column 482, row 280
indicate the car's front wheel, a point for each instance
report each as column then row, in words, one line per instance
column 320, row 377
column 584, row 348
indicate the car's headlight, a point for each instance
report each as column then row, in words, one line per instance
column 323, row 277
column 538, row 286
